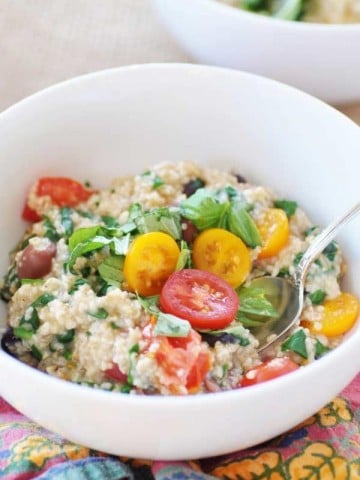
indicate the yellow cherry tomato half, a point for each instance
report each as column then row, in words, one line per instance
column 339, row 315
column 151, row 259
column 220, row 252
column 273, row 227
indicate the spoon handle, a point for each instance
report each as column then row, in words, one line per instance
column 322, row 241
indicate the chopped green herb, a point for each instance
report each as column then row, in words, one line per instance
column 66, row 337
column 111, row 270
column 32, row 281
column 184, row 260
column 32, row 323
column 255, row 308
column 135, row 348
column 125, row 388
column 76, row 285
column 86, row 271
column 330, row 251
column 104, row 287
column 149, row 304
column 320, row 349
column 85, row 214
column 82, row 235
column 297, row 258
column 160, row 220
column 289, row 10
column 50, row 231
column 114, row 326
column 67, row 354
column 296, row 343
column 155, row 179
column 311, row 230
column 101, row 313
column 110, row 222
column 288, row 206
column 43, row 300
column 317, row 297
column 66, row 220
column 203, row 209
column 241, row 224
column 284, row 272
column 23, row 332
column 171, row 326
column 36, row 353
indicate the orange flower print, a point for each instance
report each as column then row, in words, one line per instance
column 265, row 466
column 318, row 461
column 335, row 412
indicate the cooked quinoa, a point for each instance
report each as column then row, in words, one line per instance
column 81, row 321
column 318, row 11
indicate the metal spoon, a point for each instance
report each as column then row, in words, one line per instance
column 287, row 295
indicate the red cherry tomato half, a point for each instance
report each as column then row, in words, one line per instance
column 202, row 298
column 268, row 370
column 63, row 191
column 30, row 215
column 116, row 374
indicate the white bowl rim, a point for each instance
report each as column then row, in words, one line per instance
column 331, row 28
column 177, row 400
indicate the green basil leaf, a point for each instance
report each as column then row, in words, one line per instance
column 81, row 248
column 297, row 258
column 78, row 282
column 254, row 301
column 311, row 230
column 184, row 260
column 320, row 349
column 203, row 209
column 110, row 222
column 66, row 337
column 149, row 304
column 296, row 343
column 23, row 332
column 120, row 246
column 290, row 10
column 66, row 220
column 111, row 270
column 249, row 322
column 171, row 326
column 155, row 179
column 43, row 300
column 330, row 251
column 32, row 281
column 160, row 220
column 135, row 348
column 32, row 322
column 36, row 353
column 50, row 231
column 82, row 235
column 101, row 314
column 288, row 206
column 241, row 224
column 253, row 5
column 317, row 297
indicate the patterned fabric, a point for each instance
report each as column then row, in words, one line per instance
column 324, row 447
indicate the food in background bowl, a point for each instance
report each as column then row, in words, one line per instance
column 145, row 287
column 320, row 11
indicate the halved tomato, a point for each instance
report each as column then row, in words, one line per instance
column 274, row 230
column 151, row 259
column 276, row 367
column 202, row 298
column 221, row 252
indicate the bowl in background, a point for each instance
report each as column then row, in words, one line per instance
column 122, row 121
column 320, row 59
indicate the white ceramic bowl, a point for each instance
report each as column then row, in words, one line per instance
column 121, row 121
column 320, row 59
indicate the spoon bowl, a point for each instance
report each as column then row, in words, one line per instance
column 287, row 295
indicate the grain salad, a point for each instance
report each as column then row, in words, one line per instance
column 145, row 287
column 317, row 11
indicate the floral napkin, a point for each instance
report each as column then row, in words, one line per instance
column 324, row 447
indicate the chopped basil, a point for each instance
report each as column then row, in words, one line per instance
column 104, row 287
column 155, row 179
column 255, row 308
column 23, row 332
column 297, row 258
column 160, row 220
column 77, row 284
column 296, row 343
column 85, row 214
column 203, row 209
column 149, row 304
column 114, row 326
column 320, row 349
column 82, row 235
column 43, row 300
column 50, row 231
column 171, row 326
column 311, row 230
column 241, row 224
column 254, row 5
column 67, row 336
column 135, row 348
column 111, row 270
column 66, row 220
column 290, row 10
column 36, row 353
column 125, row 388
column 317, row 297
column 67, row 354
column 284, row 272
column 288, row 206
column 110, row 222
column 101, row 313
column 184, row 260
column 32, row 323
column 330, row 251
column 32, row 281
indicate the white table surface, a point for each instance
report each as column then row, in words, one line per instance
column 45, row 41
